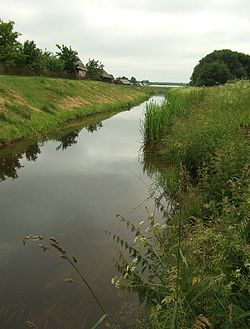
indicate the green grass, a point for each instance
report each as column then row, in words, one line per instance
column 201, row 253
column 33, row 107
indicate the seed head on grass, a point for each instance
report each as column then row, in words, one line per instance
column 32, row 237
column 31, row 325
column 55, row 244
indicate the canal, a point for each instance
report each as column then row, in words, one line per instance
column 69, row 187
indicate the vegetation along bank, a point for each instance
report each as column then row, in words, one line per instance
column 34, row 107
column 193, row 269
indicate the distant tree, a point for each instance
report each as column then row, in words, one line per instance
column 125, row 78
column 52, row 62
column 94, row 69
column 133, row 80
column 30, row 52
column 214, row 73
column 69, row 57
column 31, row 57
column 221, row 66
column 9, row 46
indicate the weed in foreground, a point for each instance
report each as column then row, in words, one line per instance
column 53, row 243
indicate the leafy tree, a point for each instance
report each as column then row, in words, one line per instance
column 9, row 46
column 69, row 57
column 214, row 73
column 31, row 57
column 52, row 62
column 133, row 80
column 221, row 66
column 94, row 69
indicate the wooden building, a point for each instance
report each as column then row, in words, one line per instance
column 106, row 77
column 81, row 69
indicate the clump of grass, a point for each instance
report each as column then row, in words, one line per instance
column 158, row 117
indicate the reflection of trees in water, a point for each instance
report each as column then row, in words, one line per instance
column 71, row 138
column 10, row 163
column 68, row 140
column 9, row 166
column 94, row 127
column 32, row 152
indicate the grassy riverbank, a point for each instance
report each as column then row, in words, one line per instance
column 33, row 107
column 198, row 261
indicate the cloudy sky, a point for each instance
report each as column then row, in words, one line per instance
column 159, row 40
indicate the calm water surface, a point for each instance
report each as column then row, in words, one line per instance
column 69, row 188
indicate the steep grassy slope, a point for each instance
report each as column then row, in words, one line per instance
column 33, row 106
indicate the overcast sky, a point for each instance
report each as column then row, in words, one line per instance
column 159, row 40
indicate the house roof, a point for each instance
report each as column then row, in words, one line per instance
column 107, row 75
column 80, row 65
column 124, row 81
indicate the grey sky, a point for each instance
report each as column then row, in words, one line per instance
column 157, row 40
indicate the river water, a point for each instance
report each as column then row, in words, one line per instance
column 70, row 188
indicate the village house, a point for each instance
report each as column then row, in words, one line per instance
column 106, row 77
column 81, row 69
column 123, row 81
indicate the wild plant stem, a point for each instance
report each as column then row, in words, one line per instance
column 92, row 292
column 178, row 261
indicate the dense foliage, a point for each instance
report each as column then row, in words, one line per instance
column 221, row 66
column 94, row 69
column 192, row 266
column 27, row 58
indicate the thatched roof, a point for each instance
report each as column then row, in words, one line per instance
column 106, row 75
column 124, row 81
column 80, row 65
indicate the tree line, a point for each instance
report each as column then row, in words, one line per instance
column 28, row 59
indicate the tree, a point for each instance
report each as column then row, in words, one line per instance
column 94, row 69
column 221, row 66
column 31, row 57
column 214, row 73
column 9, row 46
column 133, row 80
column 69, row 57
column 52, row 62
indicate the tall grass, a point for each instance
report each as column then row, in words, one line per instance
column 158, row 117
column 201, row 251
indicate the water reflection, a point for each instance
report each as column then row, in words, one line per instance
column 32, row 152
column 72, row 195
column 94, row 127
column 68, row 140
column 11, row 158
column 151, row 160
column 10, row 161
